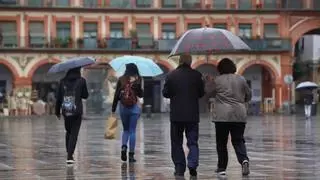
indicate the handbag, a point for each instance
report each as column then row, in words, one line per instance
column 111, row 127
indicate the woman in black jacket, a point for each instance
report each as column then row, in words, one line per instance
column 128, row 91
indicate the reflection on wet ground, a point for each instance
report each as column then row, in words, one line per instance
column 33, row 148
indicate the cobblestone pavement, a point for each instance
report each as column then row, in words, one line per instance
column 33, row 148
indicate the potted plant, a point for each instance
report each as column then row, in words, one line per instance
column 102, row 43
column 134, row 38
column 70, row 42
column 57, row 42
column 80, row 42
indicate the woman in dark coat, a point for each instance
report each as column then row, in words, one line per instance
column 129, row 108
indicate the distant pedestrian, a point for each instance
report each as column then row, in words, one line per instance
column 308, row 100
column 128, row 91
column 231, row 93
column 184, row 87
column 72, row 89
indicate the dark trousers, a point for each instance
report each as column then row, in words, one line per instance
column 222, row 132
column 177, row 153
column 72, row 125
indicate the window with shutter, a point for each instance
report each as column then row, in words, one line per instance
column 143, row 3
column 220, row 4
column 169, row 3
column 245, row 4
column 8, row 34
column 245, row 30
column 90, row 35
column 90, row 3
column 271, row 31
column 116, row 30
column 36, row 34
column 35, row 3
column 270, row 4
column 63, row 30
column 63, row 3
column 120, row 3
column 194, row 25
column 169, row 31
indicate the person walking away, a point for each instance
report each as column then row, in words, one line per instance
column 51, row 99
column 231, row 93
column 184, row 87
column 128, row 90
column 308, row 99
column 72, row 89
column 12, row 104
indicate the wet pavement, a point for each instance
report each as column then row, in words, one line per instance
column 33, row 148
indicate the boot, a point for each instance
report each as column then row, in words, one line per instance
column 131, row 157
column 124, row 153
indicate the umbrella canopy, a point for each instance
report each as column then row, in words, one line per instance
column 207, row 40
column 71, row 63
column 306, row 85
column 146, row 67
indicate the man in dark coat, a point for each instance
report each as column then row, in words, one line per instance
column 72, row 123
column 184, row 86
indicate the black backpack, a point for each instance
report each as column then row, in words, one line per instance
column 68, row 106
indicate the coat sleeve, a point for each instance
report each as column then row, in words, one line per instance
column 137, row 87
column 59, row 95
column 201, row 87
column 210, row 89
column 84, row 92
column 167, row 89
column 116, row 97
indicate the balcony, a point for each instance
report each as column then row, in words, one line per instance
column 274, row 44
column 44, row 44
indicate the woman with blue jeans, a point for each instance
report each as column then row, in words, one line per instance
column 128, row 91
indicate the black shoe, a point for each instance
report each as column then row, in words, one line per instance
column 193, row 172
column 131, row 157
column 178, row 174
column 245, row 168
column 124, row 153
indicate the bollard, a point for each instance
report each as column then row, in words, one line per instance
column 148, row 110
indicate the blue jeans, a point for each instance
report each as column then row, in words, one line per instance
column 129, row 118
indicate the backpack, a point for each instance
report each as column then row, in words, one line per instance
column 69, row 107
column 128, row 97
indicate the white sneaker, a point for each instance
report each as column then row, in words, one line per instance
column 70, row 161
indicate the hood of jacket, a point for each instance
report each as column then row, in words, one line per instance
column 73, row 74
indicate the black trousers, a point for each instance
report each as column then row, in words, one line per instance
column 222, row 133
column 72, row 125
column 177, row 154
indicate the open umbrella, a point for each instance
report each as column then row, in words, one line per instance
column 146, row 67
column 306, row 85
column 71, row 63
column 207, row 40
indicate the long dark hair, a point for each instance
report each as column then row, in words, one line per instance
column 131, row 70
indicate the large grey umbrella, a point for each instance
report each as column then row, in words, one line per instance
column 207, row 40
column 71, row 63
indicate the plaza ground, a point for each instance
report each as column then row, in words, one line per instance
column 279, row 147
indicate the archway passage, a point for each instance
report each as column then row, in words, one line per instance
column 153, row 90
column 43, row 83
column 262, row 84
column 98, row 85
column 306, row 54
column 208, row 71
column 6, row 80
